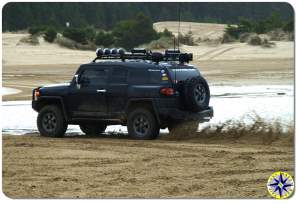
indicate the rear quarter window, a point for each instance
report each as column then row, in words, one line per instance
column 156, row 76
column 180, row 74
column 147, row 76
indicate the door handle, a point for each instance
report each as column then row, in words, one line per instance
column 101, row 90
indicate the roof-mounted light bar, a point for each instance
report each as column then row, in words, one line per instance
column 143, row 54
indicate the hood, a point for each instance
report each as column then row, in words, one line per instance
column 56, row 85
column 54, row 89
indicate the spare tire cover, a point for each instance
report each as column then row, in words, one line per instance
column 196, row 94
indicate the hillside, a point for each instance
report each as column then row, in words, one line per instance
column 105, row 15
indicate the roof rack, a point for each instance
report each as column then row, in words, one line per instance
column 143, row 54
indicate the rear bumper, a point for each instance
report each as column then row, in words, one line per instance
column 176, row 114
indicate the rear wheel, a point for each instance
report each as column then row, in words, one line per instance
column 141, row 124
column 51, row 122
column 93, row 129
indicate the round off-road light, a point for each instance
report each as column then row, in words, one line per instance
column 121, row 51
column 99, row 52
column 106, row 51
column 114, row 51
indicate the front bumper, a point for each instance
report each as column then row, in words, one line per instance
column 176, row 114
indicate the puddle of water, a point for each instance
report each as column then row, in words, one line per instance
column 18, row 118
column 251, row 91
column 9, row 91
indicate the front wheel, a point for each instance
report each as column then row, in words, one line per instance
column 51, row 122
column 93, row 129
column 141, row 124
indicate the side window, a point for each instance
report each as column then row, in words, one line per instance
column 157, row 77
column 138, row 76
column 94, row 77
column 119, row 75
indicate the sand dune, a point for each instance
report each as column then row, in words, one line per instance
column 199, row 30
column 16, row 53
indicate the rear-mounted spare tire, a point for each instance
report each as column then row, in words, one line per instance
column 196, row 94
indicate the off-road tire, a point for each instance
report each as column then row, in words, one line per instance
column 142, row 124
column 51, row 121
column 196, row 94
column 92, row 129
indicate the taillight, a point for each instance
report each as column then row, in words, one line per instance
column 167, row 91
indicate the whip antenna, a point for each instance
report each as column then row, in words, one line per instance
column 179, row 19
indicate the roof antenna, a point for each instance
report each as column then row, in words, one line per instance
column 174, row 39
column 179, row 19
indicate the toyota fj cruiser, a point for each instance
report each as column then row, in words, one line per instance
column 143, row 90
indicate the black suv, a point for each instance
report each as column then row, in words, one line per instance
column 143, row 90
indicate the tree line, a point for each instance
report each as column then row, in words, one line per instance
column 126, row 33
column 273, row 22
column 106, row 15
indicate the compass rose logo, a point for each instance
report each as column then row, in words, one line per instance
column 280, row 185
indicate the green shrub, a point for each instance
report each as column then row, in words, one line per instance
column 66, row 42
column 50, row 34
column 104, row 39
column 166, row 33
column 255, row 40
column 131, row 33
column 260, row 27
column 227, row 38
column 31, row 39
column 233, row 31
column 186, row 39
column 289, row 25
column 76, row 34
column 271, row 23
column 90, row 33
column 161, row 43
column 34, row 30
column 244, row 37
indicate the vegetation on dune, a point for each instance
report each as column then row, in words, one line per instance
column 126, row 34
column 272, row 25
column 139, row 31
column 32, row 40
column 186, row 39
column 160, row 44
column 132, row 33
column 50, row 34
column 104, row 39
column 76, row 34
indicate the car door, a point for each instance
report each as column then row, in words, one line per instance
column 88, row 98
column 117, row 90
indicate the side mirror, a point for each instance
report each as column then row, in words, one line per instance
column 77, row 82
column 76, row 78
